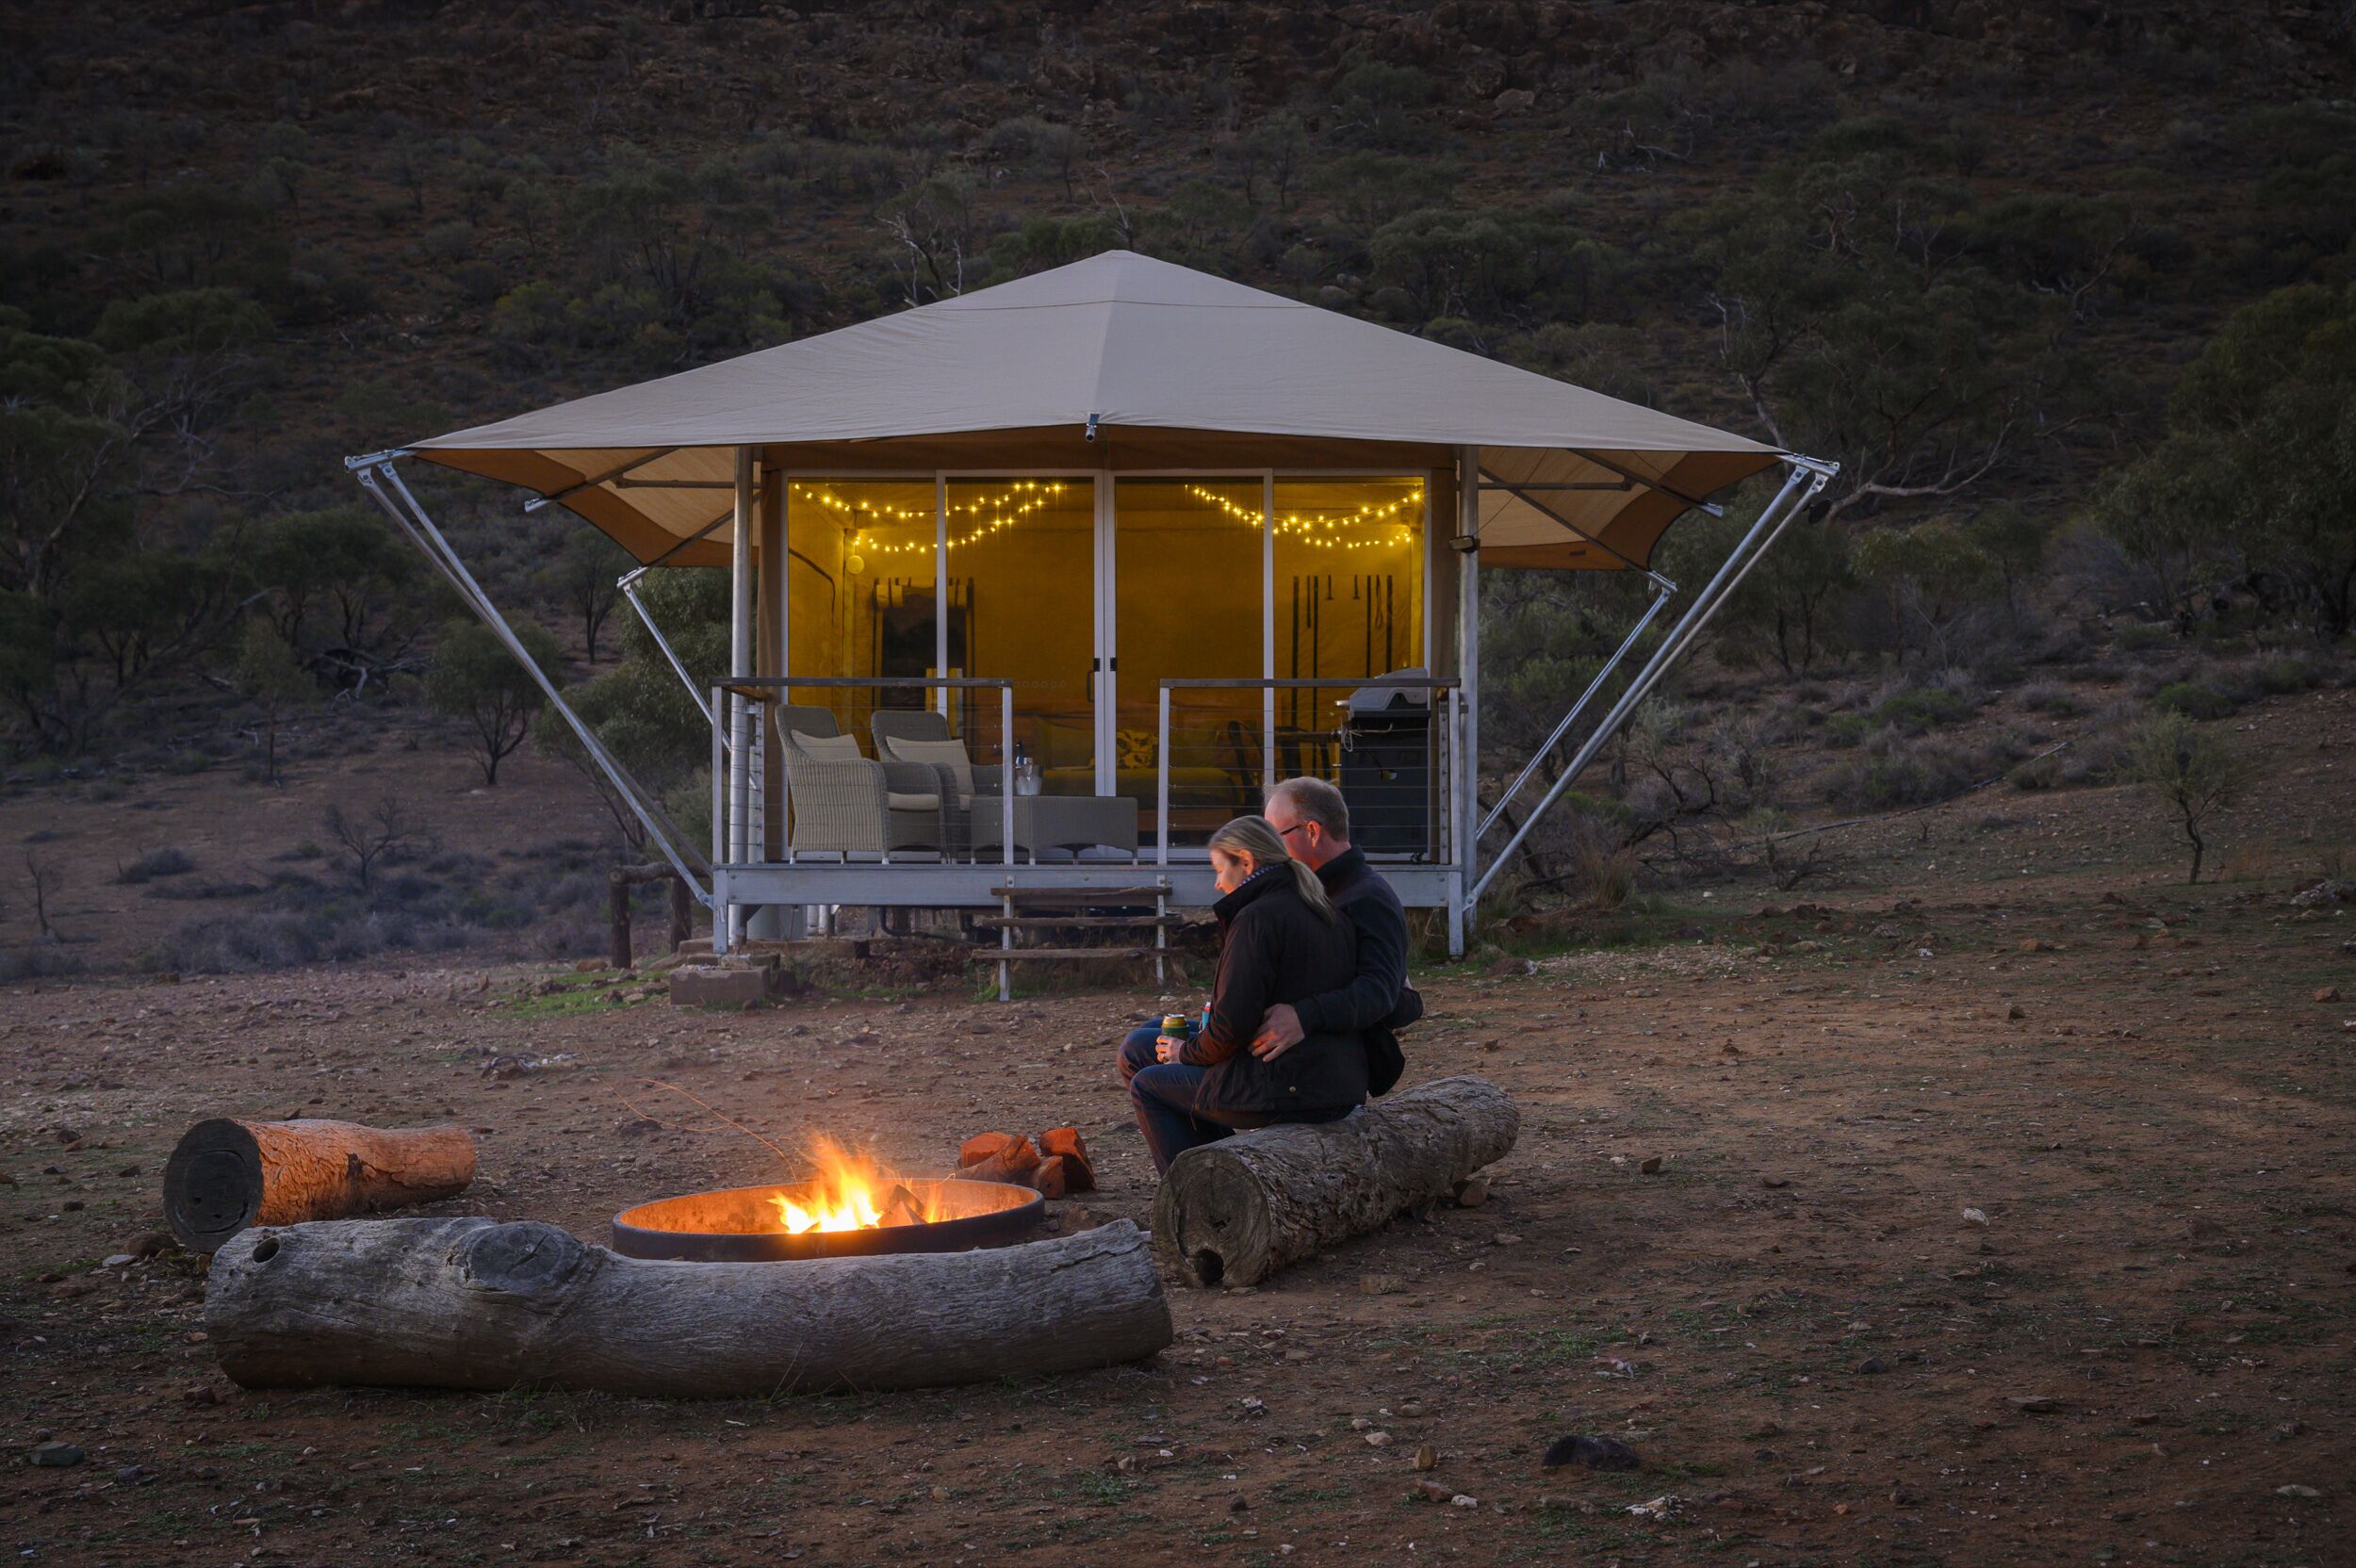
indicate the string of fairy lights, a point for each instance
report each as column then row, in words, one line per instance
column 1371, row 523
column 1003, row 511
column 1320, row 531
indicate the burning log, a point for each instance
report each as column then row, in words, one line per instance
column 1235, row 1211
column 473, row 1303
column 226, row 1175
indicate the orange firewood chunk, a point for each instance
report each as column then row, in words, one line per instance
column 981, row 1145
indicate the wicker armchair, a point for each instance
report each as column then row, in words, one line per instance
column 912, row 737
column 845, row 804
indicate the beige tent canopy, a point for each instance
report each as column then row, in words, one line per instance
column 1118, row 361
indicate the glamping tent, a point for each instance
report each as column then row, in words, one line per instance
column 1036, row 585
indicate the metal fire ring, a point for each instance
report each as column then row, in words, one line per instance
column 728, row 1225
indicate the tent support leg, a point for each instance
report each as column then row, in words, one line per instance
column 377, row 477
column 1807, row 477
column 1546, row 747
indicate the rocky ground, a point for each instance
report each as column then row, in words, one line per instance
column 1995, row 1219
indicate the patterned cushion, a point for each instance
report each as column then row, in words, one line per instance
column 1134, row 747
column 938, row 754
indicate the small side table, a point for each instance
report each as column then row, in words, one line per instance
column 1071, row 823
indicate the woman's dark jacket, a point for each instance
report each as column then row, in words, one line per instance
column 1273, row 947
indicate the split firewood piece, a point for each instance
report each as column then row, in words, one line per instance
column 1065, row 1143
column 1051, row 1177
column 228, row 1175
column 981, row 1145
column 1014, row 1163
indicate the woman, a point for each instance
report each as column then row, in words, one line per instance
column 1281, row 939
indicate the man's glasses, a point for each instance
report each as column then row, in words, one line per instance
column 1289, row 832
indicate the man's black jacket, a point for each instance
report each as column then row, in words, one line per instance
column 1375, row 1004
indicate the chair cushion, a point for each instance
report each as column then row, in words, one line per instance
column 902, row 801
column 830, row 748
column 937, row 754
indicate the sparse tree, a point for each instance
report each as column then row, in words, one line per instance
column 2195, row 773
column 44, row 879
column 270, row 672
column 583, row 578
column 366, row 839
column 471, row 678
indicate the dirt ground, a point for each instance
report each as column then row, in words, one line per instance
column 2005, row 1213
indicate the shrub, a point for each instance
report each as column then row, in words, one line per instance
column 2279, row 678
column 2038, row 773
column 1925, row 708
column 2048, row 696
column 2192, row 699
column 153, row 863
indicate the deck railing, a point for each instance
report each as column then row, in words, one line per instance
column 746, row 708
column 1393, row 758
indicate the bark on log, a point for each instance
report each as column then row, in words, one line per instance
column 226, row 1176
column 1235, row 1211
column 472, row 1303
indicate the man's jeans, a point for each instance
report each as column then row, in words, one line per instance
column 1173, row 1110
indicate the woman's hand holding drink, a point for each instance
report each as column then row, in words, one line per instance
column 1177, row 1029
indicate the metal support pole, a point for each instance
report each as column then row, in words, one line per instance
column 628, row 585
column 1468, row 657
column 1456, row 826
column 1006, row 834
column 740, row 740
column 1660, row 597
column 377, row 472
column 1738, row 565
column 1161, row 787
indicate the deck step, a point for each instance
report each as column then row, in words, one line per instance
column 1081, row 895
column 1052, row 955
column 1093, row 923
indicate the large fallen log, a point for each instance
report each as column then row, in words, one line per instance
column 1235, row 1211
column 472, row 1303
column 227, row 1176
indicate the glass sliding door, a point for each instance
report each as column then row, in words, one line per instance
column 1189, row 562
column 1024, row 591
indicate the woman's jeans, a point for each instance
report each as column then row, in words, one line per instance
column 1175, row 1113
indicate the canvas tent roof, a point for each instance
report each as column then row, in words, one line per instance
column 1176, row 368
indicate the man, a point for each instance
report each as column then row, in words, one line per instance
column 1311, row 817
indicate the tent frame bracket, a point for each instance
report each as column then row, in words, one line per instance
column 1807, row 477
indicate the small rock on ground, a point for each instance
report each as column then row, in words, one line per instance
column 1595, row 1453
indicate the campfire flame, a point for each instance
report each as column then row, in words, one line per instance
column 849, row 1192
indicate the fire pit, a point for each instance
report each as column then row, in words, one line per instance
column 851, row 1208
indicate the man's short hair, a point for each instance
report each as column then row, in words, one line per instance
column 1314, row 800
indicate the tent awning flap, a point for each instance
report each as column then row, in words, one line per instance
column 1171, row 365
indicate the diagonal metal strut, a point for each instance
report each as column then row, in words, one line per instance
column 1807, row 477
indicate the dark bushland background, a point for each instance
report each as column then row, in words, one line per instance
column 2066, row 290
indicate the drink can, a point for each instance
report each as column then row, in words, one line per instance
column 1178, row 1026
